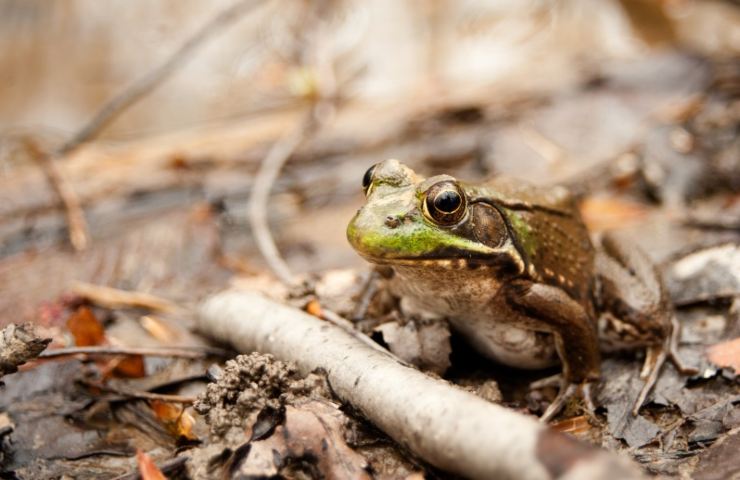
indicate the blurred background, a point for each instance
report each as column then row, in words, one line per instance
column 632, row 103
column 155, row 151
column 62, row 59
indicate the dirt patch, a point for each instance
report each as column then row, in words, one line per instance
column 253, row 383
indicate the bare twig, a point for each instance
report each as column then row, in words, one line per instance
column 257, row 210
column 448, row 427
column 322, row 96
column 144, row 85
column 178, row 352
column 139, row 394
column 114, row 298
column 268, row 173
column 79, row 235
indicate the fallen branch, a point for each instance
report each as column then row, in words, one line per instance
column 448, row 427
column 114, row 298
column 177, row 352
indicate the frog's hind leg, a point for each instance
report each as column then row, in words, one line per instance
column 655, row 357
column 574, row 335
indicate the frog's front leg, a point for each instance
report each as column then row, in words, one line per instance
column 636, row 311
column 574, row 333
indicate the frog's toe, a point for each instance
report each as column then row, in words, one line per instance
column 568, row 391
column 680, row 366
column 551, row 381
column 655, row 357
column 673, row 349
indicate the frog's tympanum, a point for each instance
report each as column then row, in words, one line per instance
column 513, row 268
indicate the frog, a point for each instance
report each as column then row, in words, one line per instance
column 515, row 271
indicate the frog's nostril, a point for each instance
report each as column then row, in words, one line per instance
column 392, row 222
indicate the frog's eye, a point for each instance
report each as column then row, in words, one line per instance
column 445, row 203
column 367, row 180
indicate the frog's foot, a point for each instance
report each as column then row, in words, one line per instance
column 655, row 357
column 567, row 391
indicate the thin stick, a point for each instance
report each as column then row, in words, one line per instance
column 176, row 352
column 448, row 427
column 369, row 289
column 139, row 394
column 114, row 107
column 114, row 298
column 341, row 322
column 263, row 182
column 79, row 235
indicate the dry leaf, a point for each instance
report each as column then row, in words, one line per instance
column 85, row 328
column 158, row 329
column 178, row 421
column 726, row 354
column 88, row 331
column 147, row 468
column 576, row 426
column 311, row 430
column 606, row 213
column 129, row 366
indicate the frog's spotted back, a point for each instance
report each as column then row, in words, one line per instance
column 548, row 231
column 518, row 194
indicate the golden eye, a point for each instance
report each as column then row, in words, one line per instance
column 367, row 179
column 445, row 203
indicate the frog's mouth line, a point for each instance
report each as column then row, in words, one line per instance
column 502, row 261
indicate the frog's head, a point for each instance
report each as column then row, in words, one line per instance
column 408, row 220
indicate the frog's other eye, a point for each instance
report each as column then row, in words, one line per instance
column 445, row 203
column 367, row 179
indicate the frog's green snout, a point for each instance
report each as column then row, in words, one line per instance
column 369, row 233
column 353, row 234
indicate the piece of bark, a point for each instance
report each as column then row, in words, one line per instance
column 19, row 344
column 446, row 426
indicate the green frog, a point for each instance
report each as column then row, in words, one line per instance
column 513, row 268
